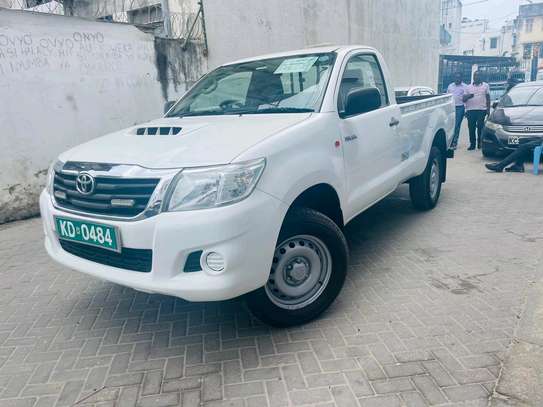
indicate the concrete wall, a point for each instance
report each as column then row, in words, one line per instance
column 65, row 80
column 405, row 31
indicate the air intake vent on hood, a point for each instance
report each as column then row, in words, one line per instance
column 162, row 131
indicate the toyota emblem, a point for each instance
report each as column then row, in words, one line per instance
column 84, row 183
column 528, row 129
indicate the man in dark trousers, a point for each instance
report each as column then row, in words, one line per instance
column 518, row 156
column 477, row 99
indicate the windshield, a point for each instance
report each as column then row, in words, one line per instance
column 523, row 96
column 280, row 85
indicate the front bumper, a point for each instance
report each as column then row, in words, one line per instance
column 245, row 234
column 497, row 141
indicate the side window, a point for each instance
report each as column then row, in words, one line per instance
column 361, row 72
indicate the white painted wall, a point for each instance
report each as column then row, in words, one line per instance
column 65, row 80
column 405, row 31
column 451, row 20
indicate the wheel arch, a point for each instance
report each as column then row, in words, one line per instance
column 322, row 198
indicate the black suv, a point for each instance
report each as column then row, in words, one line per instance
column 516, row 119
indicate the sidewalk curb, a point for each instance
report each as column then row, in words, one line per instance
column 521, row 380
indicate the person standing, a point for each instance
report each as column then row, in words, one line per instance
column 458, row 90
column 477, row 99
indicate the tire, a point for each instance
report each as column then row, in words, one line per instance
column 426, row 188
column 311, row 257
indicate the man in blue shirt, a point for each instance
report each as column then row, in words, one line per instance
column 458, row 90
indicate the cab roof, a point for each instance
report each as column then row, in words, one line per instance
column 310, row 50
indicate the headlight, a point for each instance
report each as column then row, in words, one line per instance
column 493, row 126
column 55, row 166
column 210, row 187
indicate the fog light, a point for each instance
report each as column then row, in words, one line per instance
column 215, row 261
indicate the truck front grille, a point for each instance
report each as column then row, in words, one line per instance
column 122, row 197
column 129, row 259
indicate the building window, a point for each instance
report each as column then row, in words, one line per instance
column 529, row 25
column 146, row 15
column 494, row 43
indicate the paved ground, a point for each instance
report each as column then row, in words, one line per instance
column 431, row 306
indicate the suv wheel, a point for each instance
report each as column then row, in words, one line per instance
column 308, row 271
column 426, row 188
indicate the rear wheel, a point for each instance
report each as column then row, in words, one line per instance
column 426, row 188
column 308, row 271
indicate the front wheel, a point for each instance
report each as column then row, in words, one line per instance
column 307, row 273
column 426, row 188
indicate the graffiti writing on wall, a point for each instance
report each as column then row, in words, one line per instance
column 82, row 52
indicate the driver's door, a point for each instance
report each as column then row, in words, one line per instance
column 370, row 139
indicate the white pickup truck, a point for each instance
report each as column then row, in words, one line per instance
column 246, row 183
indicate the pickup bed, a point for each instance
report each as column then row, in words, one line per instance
column 246, row 183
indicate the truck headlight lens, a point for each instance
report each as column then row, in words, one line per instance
column 493, row 126
column 210, row 187
column 55, row 166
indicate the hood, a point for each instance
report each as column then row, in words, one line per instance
column 187, row 142
column 518, row 116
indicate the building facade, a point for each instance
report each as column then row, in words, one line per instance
column 479, row 38
column 451, row 26
column 530, row 31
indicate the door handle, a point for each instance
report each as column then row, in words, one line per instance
column 394, row 122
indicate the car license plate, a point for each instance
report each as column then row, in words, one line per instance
column 94, row 234
column 513, row 140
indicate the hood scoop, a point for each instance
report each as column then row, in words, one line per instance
column 158, row 131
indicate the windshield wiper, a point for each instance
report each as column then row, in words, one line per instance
column 202, row 113
column 273, row 110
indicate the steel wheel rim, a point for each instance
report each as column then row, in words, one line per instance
column 434, row 179
column 301, row 270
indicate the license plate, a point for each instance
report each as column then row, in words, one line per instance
column 94, row 234
column 513, row 140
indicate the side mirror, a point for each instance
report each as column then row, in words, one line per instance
column 168, row 105
column 362, row 101
column 495, row 105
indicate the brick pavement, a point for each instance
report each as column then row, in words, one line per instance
column 426, row 317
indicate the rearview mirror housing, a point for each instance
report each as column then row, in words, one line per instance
column 362, row 101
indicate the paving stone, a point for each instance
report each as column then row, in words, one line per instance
column 70, row 393
column 343, row 396
column 403, row 369
column 325, row 379
column 264, row 373
column 152, row 383
column 414, row 399
column 381, row 401
column 427, row 313
column 243, row 390
column 392, row 385
column 277, row 394
column 212, row 387
column 310, row 396
column 466, row 392
column 128, row 379
column 159, row 400
column 429, row 389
